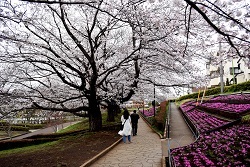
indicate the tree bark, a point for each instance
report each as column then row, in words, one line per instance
column 111, row 111
column 95, row 116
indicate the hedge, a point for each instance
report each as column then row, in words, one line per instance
column 160, row 117
column 20, row 127
column 31, row 126
column 11, row 144
column 245, row 86
column 15, row 128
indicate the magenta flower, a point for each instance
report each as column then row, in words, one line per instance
column 227, row 146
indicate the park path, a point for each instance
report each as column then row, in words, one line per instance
column 180, row 133
column 147, row 149
column 48, row 130
column 144, row 151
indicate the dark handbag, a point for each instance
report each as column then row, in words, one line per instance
column 122, row 125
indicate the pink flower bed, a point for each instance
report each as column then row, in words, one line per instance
column 232, row 98
column 188, row 106
column 204, row 121
column 237, row 108
column 226, row 147
column 149, row 112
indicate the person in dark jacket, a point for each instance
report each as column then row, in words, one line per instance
column 134, row 120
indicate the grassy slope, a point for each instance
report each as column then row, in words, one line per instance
column 83, row 125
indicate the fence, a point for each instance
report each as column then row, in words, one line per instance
column 195, row 135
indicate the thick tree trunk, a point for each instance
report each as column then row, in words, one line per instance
column 95, row 116
column 111, row 111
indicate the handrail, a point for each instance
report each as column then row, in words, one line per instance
column 167, row 123
column 168, row 119
column 168, row 133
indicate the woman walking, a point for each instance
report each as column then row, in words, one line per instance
column 127, row 128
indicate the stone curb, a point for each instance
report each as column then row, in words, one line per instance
column 95, row 158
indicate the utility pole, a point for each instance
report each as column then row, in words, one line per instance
column 221, row 70
column 221, row 67
column 233, row 70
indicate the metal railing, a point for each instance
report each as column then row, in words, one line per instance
column 178, row 142
column 167, row 135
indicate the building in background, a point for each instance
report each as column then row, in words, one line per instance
column 235, row 70
column 134, row 104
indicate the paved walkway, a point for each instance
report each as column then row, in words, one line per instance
column 147, row 149
column 48, row 130
column 144, row 151
column 180, row 134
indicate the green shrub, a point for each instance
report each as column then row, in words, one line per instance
column 19, row 128
column 14, row 128
column 11, row 144
column 151, row 120
column 4, row 123
column 240, row 87
column 246, row 119
column 245, row 86
column 31, row 126
column 160, row 117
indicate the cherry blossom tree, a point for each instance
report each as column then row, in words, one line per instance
column 68, row 55
column 170, row 60
column 73, row 55
column 230, row 20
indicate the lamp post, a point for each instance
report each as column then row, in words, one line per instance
column 143, row 107
column 122, row 93
column 143, row 102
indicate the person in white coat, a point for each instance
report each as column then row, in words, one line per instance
column 127, row 128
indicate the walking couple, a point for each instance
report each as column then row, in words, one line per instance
column 130, row 123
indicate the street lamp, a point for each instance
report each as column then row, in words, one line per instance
column 122, row 92
column 143, row 105
column 142, row 101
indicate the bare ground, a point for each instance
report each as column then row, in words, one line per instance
column 68, row 153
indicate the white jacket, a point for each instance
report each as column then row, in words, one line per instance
column 127, row 126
